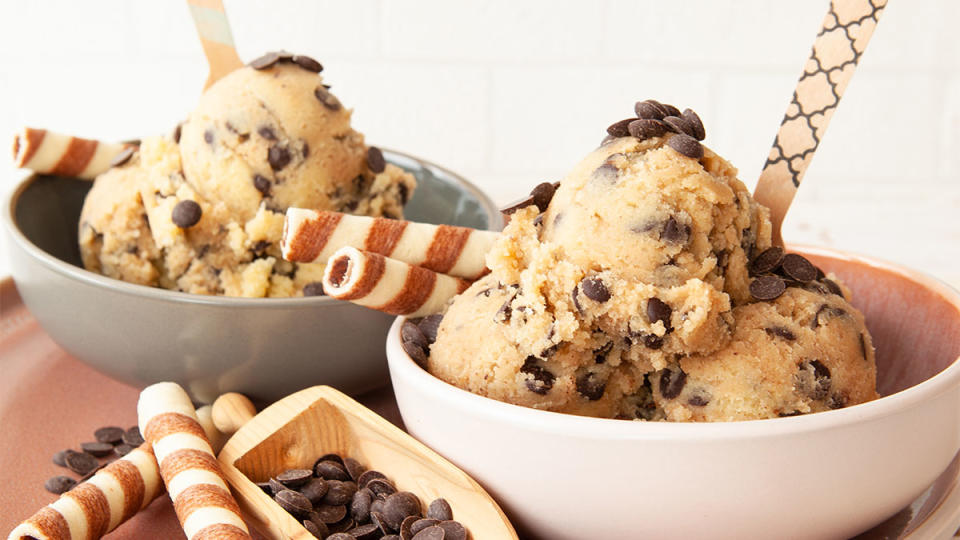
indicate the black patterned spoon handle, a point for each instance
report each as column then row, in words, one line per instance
column 836, row 51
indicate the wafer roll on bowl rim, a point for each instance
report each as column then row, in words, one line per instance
column 46, row 152
column 314, row 236
column 388, row 285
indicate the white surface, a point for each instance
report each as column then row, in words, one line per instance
column 846, row 469
column 514, row 93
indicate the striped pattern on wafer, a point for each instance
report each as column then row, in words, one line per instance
column 200, row 494
column 99, row 505
column 388, row 285
column 311, row 236
column 46, row 152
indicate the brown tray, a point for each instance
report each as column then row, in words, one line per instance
column 50, row 401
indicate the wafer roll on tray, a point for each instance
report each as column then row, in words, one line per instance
column 46, row 152
column 122, row 488
column 188, row 466
column 312, row 236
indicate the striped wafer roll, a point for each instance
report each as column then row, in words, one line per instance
column 311, row 236
column 46, row 152
column 99, row 505
column 200, row 495
column 388, row 285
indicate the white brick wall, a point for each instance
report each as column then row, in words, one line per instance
column 514, row 92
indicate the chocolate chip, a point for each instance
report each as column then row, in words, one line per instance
column 177, row 131
column 123, row 449
column 671, row 110
column 767, row 287
column 275, row 486
column 365, row 532
column 317, row 528
column 123, row 157
column 693, row 119
column 369, row 475
column 340, row 536
column 295, row 478
column 541, row 380
column 398, row 506
column 576, row 301
column 658, row 310
column 542, row 194
column 354, row 468
column 133, row 436
column 411, row 333
column 686, row 145
column 417, row 353
column 440, row 510
column 307, row 63
column 620, row 128
column 294, row 502
column 505, row 312
column 723, row 257
column 186, row 214
column 278, row 157
column 326, row 98
column 360, row 505
column 91, row 472
column 267, row 133
column 109, row 434
column 422, row 524
column 375, row 160
column 208, row 136
column 798, row 267
column 591, row 386
column 58, row 485
column 767, row 261
column 650, row 110
column 406, row 526
column 430, row 325
column 699, row 399
column 97, row 449
column 314, row 288
column 832, row 286
column 430, row 533
column 675, row 232
column 814, row 379
column 453, row 530
column 381, row 487
column 376, row 517
column 331, row 470
column 594, row 289
column 781, row 332
column 600, row 355
column 331, row 513
column 677, row 124
column 653, row 341
column 265, row 61
column 672, row 382
column 608, row 172
column 60, row 458
column 645, row 128
column 517, row 205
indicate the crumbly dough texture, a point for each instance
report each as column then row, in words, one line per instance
column 671, row 332
column 228, row 160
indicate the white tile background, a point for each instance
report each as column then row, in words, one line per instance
column 512, row 92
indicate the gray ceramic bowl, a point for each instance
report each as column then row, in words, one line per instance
column 263, row 347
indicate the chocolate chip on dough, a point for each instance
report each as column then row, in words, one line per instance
column 123, row 157
column 542, row 194
column 646, row 128
column 620, row 128
column 265, row 61
column 649, row 110
column 307, row 63
column 798, row 268
column 672, row 382
column 375, row 160
column 186, row 214
column 594, row 289
column 658, row 310
column 541, row 380
column 767, row 261
column 693, row 119
column 326, row 98
column 686, row 145
column 767, row 287
column 678, row 124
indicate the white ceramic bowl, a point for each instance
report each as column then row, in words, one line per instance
column 826, row 475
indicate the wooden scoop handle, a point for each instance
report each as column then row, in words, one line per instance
column 846, row 29
column 211, row 21
column 231, row 411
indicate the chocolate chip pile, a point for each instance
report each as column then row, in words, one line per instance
column 655, row 119
column 774, row 270
column 416, row 336
column 111, row 442
column 339, row 499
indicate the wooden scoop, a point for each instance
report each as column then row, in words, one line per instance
column 843, row 37
column 216, row 38
column 295, row 431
